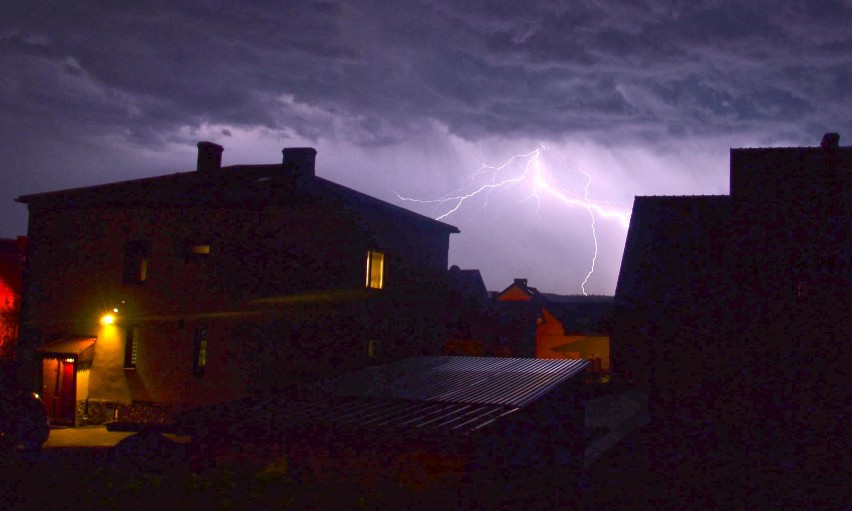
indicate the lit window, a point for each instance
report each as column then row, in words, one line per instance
column 372, row 348
column 136, row 262
column 131, row 347
column 375, row 269
column 199, row 357
column 195, row 250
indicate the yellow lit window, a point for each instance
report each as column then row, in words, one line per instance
column 372, row 348
column 199, row 358
column 197, row 250
column 375, row 269
column 143, row 269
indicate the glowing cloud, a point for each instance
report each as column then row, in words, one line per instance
column 533, row 175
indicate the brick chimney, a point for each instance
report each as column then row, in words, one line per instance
column 300, row 160
column 209, row 156
column 830, row 141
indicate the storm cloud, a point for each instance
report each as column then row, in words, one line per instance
column 412, row 98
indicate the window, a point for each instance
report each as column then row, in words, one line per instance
column 372, row 348
column 136, row 262
column 199, row 356
column 195, row 251
column 131, row 347
column 375, row 269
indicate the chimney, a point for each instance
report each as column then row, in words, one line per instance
column 209, row 156
column 830, row 141
column 521, row 282
column 300, row 160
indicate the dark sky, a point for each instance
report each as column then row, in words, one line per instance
column 425, row 100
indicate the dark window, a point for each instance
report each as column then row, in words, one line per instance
column 136, row 255
column 199, row 355
column 131, row 347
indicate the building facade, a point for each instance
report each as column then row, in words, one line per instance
column 733, row 312
column 193, row 288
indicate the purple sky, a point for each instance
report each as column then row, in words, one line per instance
column 412, row 98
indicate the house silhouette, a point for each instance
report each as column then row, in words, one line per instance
column 733, row 313
column 146, row 296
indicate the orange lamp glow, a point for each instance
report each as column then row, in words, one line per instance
column 107, row 319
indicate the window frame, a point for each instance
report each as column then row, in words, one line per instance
column 200, row 344
column 131, row 347
column 372, row 348
column 191, row 252
column 375, row 269
column 137, row 256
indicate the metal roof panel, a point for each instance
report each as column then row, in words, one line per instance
column 512, row 382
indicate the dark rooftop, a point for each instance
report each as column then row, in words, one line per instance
column 250, row 185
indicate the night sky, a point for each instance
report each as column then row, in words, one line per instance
column 425, row 100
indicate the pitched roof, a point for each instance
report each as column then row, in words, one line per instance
column 577, row 313
column 467, row 283
column 235, row 185
column 661, row 228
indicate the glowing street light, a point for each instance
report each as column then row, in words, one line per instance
column 107, row 319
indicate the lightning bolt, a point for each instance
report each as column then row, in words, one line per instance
column 488, row 178
column 594, row 234
column 461, row 196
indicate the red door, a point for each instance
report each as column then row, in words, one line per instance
column 59, row 390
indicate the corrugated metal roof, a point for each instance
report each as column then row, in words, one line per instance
column 513, row 382
column 395, row 415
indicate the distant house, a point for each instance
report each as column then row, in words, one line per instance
column 734, row 310
column 572, row 327
column 11, row 271
column 520, row 321
column 149, row 295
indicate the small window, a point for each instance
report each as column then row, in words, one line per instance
column 372, row 348
column 196, row 251
column 199, row 356
column 136, row 255
column 131, row 347
column 375, row 269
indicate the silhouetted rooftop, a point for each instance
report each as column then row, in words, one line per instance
column 236, row 185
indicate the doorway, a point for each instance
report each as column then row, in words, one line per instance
column 59, row 389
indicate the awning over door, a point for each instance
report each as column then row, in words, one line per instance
column 82, row 348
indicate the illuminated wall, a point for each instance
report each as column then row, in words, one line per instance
column 83, row 384
column 8, row 319
column 553, row 342
column 587, row 347
column 107, row 380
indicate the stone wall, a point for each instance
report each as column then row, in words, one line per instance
column 93, row 412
